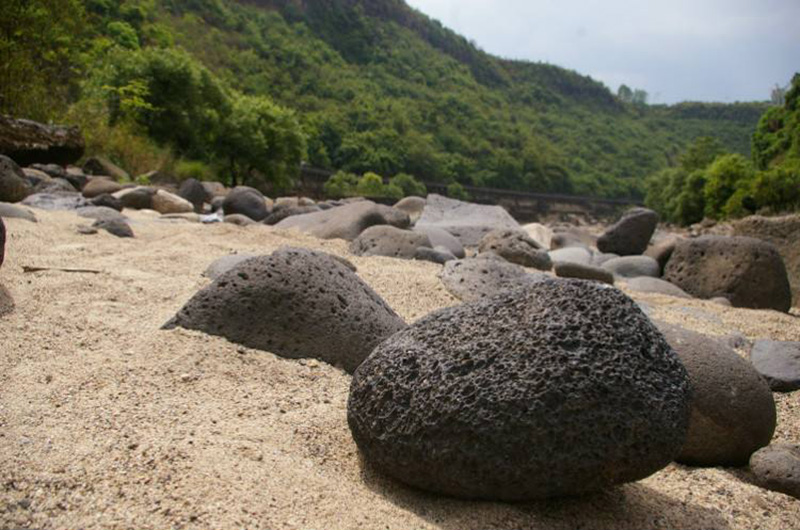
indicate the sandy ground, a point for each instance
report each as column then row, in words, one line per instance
column 108, row 422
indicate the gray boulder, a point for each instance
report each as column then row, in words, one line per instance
column 116, row 227
column 568, row 269
column 295, row 303
column 517, row 247
column 442, row 238
column 413, row 206
column 108, row 201
column 733, row 412
column 193, row 191
column 646, row 284
column 438, row 255
column 101, row 213
column 12, row 211
column 14, row 187
column 138, row 198
column 245, row 201
column 475, row 278
column 347, row 221
column 55, row 185
column 777, row 468
column 571, row 238
column 35, row 177
column 466, row 221
column 279, row 214
column 633, row 266
column 779, row 363
column 385, row 240
column 99, row 186
column 51, row 170
column 560, row 388
column 631, row 234
column 579, row 255
column 662, row 250
column 748, row 272
column 55, row 201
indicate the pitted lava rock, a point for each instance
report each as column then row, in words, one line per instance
column 747, row 271
column 473, row 278
column 294, row 303
column 563, row 387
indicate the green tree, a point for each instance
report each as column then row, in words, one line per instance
column 701, row 153
column 40, row 56
column 341, row 184
column 260, row 138
column 727, row 175
column 625, row 94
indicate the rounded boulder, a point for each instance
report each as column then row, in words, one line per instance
column 294, row 303
column 733, row 412
column 245, row 201
column 631, row 234
column 561, row 388
column 517, row 247
column 385, row 240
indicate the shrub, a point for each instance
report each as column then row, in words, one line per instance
column 457, row 191
column 724, row 177
column 341, row 184
column 193, row 169
column 408, row 185
column 370, row 185
column 778, row 189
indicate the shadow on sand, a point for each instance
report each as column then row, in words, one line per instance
column 632, row 506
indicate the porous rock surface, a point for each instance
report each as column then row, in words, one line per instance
column 747, row 271
column 631, row 234
column 560, row 388
column 385, row 240
column 474, row 278
column 733, row 411
column 778, row 362
column 466, row 221
column 517, row 247
column 777, row 467
column 784, row 233
column 346, row 221
column 294, row 303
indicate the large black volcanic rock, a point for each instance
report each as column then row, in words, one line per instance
column 562, row 387
column 28, row 142
column 294, row 303
column 747, row 271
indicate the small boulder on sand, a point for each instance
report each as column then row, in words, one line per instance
column 295, row 303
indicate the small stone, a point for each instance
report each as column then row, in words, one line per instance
column 633, row 266
column 777, row 468
column 116, row 227
column 566, row 269
column 779, row 363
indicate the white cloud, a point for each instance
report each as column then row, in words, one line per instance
column 682, row 49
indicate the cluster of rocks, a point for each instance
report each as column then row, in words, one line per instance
column 536, row 386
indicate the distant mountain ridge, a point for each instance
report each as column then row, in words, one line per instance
column 379, row 86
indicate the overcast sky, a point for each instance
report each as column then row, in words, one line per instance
column 677, row 50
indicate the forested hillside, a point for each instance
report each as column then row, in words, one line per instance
column 247, row 89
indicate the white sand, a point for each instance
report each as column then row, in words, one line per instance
column 108, row 422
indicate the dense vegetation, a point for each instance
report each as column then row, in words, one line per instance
column 709, row 182
column 248, row 89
